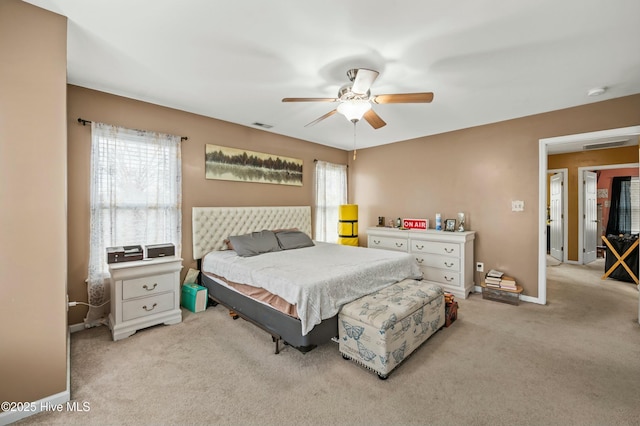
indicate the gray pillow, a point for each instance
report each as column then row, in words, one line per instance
column 290, row 239
column 254, row 243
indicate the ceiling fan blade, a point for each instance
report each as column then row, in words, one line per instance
column 374, row 119
column 363, row 81
column 309, row 100
column 327, row 115
column 403, row 98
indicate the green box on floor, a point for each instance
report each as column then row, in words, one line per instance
column 194, row 297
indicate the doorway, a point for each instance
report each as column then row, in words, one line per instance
column 543, row 151
column 590, row 220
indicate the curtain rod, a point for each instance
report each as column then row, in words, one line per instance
column 85, row 122
column 315, row 160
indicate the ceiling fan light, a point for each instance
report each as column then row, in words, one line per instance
column 354, row 109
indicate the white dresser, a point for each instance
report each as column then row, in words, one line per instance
column 445, row 258
column 144, row 293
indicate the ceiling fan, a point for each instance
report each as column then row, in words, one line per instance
column 355, row 99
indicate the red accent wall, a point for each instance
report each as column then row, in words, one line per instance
column 605, row 177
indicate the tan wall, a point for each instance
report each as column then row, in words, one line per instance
column 478, row 171
column 197, row 191
column 33, row 161
column 574, row 160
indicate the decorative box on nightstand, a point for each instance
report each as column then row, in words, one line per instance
column 144, row 293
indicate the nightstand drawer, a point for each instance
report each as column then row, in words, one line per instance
column 448, row 249
column 147, row 286
column 450, row 278
column 387, row 243
column 145, row 306
column 441, row 262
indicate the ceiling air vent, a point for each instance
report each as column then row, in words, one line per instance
column 264, row 126
column 602, row 145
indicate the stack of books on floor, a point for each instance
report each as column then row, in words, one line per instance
column 497, row 279
column 493, row 278
column 508, row 283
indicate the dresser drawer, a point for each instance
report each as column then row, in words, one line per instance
column 436, row 261
column 388, row 243
column 146, row 306
column 450, row 278
column 449, row 249
column 445, row 258
column 147, row 286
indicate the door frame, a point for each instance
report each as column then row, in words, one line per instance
column 565, row 209
column 581, row 171
column 543, row 145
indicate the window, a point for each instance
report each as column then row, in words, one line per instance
column 624, row 212
column 135, row 195
column 331, row 192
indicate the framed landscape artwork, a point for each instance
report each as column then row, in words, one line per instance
column 225, row 163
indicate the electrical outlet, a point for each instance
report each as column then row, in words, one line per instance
column 517, row 206
column 479, row 267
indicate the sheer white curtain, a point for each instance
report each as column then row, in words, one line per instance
column 136, row 199
column 331, row 192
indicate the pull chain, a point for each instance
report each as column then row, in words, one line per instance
column 354, row 139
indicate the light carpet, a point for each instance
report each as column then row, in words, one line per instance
column 575, row 361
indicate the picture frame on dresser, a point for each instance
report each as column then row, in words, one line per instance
column 450, row 225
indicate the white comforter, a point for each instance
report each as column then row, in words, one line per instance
column 319, row 279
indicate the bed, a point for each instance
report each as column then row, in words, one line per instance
column 309, row 284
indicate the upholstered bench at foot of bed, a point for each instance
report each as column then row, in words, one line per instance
column 383, row 328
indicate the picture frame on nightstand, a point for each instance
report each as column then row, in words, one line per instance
column 450, row 225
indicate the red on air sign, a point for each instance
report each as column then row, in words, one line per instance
column 415, row 223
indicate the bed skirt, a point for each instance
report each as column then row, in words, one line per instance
column 279, row 325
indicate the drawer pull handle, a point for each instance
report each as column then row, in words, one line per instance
column 149, row 309
column 149, row 289
column 376, row 241
column 419, row 260
column 448, row 250
column 399, row 244
column 448, row 265
column 448, row 279
column 419, row 247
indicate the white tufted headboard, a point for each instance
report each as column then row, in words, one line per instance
column 212, row 225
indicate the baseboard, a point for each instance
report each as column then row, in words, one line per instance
column 531, row 299
column 84, row 325
column 76, row 327
column 44, row 404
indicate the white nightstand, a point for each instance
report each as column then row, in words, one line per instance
column 144, row 293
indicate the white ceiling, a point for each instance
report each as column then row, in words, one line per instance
column 485, row 60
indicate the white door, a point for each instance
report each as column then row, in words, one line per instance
column 590, row 217
column 555, row 215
